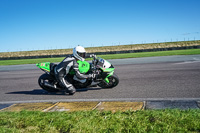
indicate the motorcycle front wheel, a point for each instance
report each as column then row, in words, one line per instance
column 113, row 81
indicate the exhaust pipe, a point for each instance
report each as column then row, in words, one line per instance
column 45, row 83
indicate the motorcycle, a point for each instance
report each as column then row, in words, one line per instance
column 104, row 71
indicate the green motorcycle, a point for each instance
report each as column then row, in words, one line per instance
column 104, row 71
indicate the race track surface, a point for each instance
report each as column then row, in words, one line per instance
column 175, row 77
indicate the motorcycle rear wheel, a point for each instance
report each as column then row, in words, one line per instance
column 48, row 78
column 113, row 81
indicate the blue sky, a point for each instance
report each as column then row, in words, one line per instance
column 56, row 24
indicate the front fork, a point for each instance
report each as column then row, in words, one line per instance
column 110, row 74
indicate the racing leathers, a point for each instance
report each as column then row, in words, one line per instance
column 63, row 68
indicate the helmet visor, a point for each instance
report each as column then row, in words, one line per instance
column 81, row 54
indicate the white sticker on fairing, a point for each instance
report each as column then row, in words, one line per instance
column 106, row 64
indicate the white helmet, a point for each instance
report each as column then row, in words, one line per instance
column 79, row 53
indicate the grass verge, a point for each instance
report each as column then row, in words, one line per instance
column 173, row 120
column 110, row 56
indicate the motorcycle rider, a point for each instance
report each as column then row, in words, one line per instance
column 69, row 63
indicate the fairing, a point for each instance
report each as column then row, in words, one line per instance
column 44, row 66
column 106, row 67
column 83, row 66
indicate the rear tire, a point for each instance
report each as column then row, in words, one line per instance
column 113, row 81
column 48, row 78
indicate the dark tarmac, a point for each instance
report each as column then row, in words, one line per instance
column 157, row 78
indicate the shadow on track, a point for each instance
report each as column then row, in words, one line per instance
column 43, row 92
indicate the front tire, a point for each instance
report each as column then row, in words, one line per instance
column 113, row 81
column 47, row 78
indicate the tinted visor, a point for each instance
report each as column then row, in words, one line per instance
column 81, row 54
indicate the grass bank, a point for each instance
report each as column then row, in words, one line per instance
column 111, row 56
column 102, row 49
column 100, row 122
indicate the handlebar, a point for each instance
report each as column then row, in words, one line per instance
column 94, row 62
column 93, row 56
column 94, row 65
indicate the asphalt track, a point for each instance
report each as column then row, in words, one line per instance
column 151, row 78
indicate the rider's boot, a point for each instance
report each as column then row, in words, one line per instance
column 70, row 90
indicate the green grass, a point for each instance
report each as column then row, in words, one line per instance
column 152, row 54
column 161, row 121
column 110, row 56
column 29, row 61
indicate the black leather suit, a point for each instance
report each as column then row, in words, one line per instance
column 63, row 68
